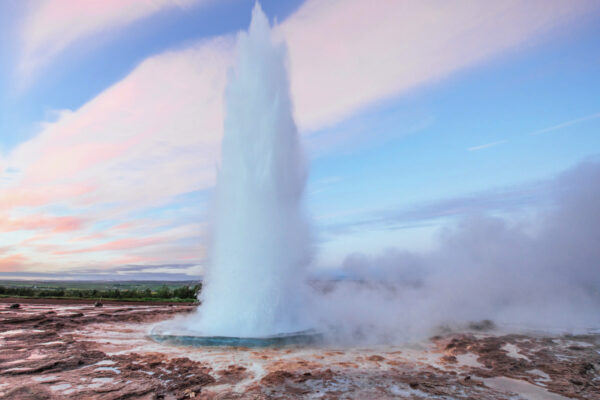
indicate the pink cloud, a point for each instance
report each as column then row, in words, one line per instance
column 148, row 125
column 156, row 134
column 348, row 54
column 126, row 225
column 58, row 162
column 35, row 238
column 42, row 223
column 53, row 25
column 120, row 244
column 12, row 263
column 87, row 238
column 27, row 195
column 152, row 125
column 134, row 260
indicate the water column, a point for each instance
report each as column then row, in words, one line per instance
column 254, row 285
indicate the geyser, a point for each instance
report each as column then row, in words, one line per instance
column 254, row 286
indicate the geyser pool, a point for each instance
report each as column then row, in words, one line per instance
column 255, row 283
column 286, row 339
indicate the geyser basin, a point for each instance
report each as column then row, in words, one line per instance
column 301, row 338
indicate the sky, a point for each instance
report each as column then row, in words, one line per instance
column 413, row 115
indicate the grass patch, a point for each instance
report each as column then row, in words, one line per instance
column 119, row 291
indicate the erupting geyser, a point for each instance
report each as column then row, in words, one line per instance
column 255, row 282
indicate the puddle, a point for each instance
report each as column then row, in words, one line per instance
column 513, row 351
column 97, row 382
column 19, row 331
column 522, row 388
column 48, row 378
column 468, row 360
column 105, row 362
column 61, row 386
column 115, row 370
column 544, row 377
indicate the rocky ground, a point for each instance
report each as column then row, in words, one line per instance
column 78, row 351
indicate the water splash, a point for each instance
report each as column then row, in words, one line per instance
column 260, row 247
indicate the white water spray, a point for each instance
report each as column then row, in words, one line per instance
column 260, row 247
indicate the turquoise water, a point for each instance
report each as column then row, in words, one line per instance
column 290, row 339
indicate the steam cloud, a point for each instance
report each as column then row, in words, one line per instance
column 540, row 272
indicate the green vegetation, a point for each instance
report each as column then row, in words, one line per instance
column 131, row 291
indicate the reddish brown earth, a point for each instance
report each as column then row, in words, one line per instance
column 77, row 351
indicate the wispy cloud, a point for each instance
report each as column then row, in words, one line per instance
column 121, row 244
column 38, row 222
column 348, row 54
column 566, row 124
column 497, row 200
column 12, row 262
column 486, row 146
column 53, row 25
column 180, row 273
column 155, row 135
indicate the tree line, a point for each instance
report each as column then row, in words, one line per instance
column 189, row 293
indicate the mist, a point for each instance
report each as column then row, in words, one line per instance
column 534, row 272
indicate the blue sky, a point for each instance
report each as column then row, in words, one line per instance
column 80, row 72
column 108, row 144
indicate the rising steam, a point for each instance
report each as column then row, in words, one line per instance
column 539, row 273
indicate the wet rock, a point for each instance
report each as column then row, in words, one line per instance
column 233, row 374
column 483, row 325
column 14, row 306
column 468, row 381
column 449, row 359
column 571, row 368
column 52, row 354
column 28, row 392
column 287, row 378
column 276, row 378
column 587, row 368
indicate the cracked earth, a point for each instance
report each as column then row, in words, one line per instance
column 78, row 351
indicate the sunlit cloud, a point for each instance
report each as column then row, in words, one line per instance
column 12, row 262
column 154, row 136
column 348, row 54
column 51, row 26
column 121, row 244
column 43, row 223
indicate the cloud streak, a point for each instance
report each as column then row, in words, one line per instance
column 51, row 26
column 504, row 200
column 154, row 137
column 347, row 54
column 566, row 124
column 12, row 262
column 42, row 223
column 486, row 146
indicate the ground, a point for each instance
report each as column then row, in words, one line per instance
column 78, row 351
